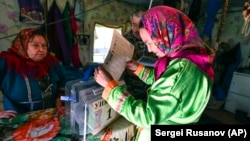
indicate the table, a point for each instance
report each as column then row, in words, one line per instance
column 52, row 124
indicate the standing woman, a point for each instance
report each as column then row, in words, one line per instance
column 30, row 77
column 181, row 79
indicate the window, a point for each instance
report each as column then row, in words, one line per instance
column 102, row 40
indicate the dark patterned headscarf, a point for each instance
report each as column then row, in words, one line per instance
column 176, row 36
column 18, row 60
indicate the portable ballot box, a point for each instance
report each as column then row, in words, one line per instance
column 88, row 111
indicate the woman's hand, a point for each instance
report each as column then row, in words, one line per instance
column 102, row 76
column 8, row 114
column 132, row 65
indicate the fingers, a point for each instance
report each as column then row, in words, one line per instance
column 101, row 73
column 98, row 70
column 11, row 113
column 132, row 65
column 97, row 73
column 8, row 114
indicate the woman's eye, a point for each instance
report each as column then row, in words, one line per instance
column 44, row 46
column 35, row 45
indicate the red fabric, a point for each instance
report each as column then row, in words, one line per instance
column 27, row 66
column 75, row 51
column 75, row 56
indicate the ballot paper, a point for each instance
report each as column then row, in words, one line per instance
column 90, row 113
column 121, row 51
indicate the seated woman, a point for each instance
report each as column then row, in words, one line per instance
column 30, row 77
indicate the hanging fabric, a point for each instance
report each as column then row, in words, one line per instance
column 194, row 10
column 57, row 37
column 61, row 34
column 31, row 11
column 75, row 49
column 67, row 25
column 246, row 14
column 212, row 8
column 70, row 30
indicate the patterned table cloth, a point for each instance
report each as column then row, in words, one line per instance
column 53, row 124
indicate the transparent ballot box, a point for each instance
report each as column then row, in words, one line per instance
column 88, row 112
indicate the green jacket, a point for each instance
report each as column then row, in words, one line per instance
column 179, row 96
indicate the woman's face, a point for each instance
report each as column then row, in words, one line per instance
column 37, row 48
column 150, row 44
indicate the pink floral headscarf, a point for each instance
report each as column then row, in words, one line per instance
column 176, row 36
column 20, row 43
